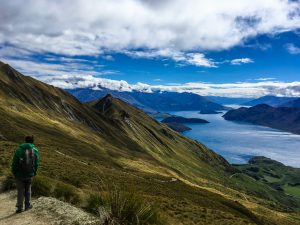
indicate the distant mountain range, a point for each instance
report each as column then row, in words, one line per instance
column 270, row 100
column 150, row 102
column 283, row 118
column 293, row 103
column 228, row 100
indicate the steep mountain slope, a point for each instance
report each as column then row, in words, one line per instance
column 109, row 141
column 282, row 118
column 160, row 101
column 269, row 100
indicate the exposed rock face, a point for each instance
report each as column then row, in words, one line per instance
column 46, row 211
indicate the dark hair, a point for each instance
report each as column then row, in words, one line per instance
column 29, row 139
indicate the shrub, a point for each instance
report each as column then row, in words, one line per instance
column 8, row 183
column 42, row 186
column 94, row 201
column 116, row 207
column 66, row 193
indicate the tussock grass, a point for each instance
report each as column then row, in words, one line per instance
column 8, row 183
column 43, row 186
column 116, row 207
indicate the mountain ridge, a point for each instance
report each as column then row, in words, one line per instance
column 269, row 100
column 293, row 104
column 151, row 102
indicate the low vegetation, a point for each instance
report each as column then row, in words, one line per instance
column 284, row 179
column 43, row 186
column 117, row 207
column 8, row 183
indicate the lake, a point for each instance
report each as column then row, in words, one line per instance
column 238, row 142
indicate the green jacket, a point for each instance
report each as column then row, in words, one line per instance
column 15, row 166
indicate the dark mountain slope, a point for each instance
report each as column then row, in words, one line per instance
column 283, row 118
column 159, row 101
column 293, row 104
column 269, row 100
column 109, row 141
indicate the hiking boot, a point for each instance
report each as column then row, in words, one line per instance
column 19, row 210
column 28, row 207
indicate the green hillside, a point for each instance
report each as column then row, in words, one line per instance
column 275, row 174
column 88, row 146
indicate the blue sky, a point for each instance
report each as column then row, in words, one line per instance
column 271, row 58
column 231, row 48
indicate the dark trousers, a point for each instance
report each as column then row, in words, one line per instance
column 24, row 192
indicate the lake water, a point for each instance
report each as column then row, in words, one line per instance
column 238, row 142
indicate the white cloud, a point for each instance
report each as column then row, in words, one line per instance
column 242, row 89
column 77, row 75
column 198, row 59
column 241, row 61
column 265, row 78
column 89, row 27
column 56, row 67
column 182, row 58
column 292, row 49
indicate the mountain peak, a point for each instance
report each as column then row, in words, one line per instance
column 8, row 73
column 108, row 96
column 112, row 107
column 263, row 106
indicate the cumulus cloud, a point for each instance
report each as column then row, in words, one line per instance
column 241, row 89
column 70, row 75
column 241, row 61
column 89, row 27
column 183, row 31
column 293, row 49
column 195, row 59
column 56, row 67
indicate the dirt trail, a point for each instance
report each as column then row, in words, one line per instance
column 46, row 211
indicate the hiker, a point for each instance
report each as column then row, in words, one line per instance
column 24, row 166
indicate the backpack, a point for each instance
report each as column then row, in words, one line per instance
column 27, row 163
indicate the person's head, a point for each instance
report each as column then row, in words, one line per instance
column 29, row 139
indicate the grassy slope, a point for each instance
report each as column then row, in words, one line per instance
column 85, row 147
column 275, row 174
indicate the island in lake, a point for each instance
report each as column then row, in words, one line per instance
column 180, row 119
